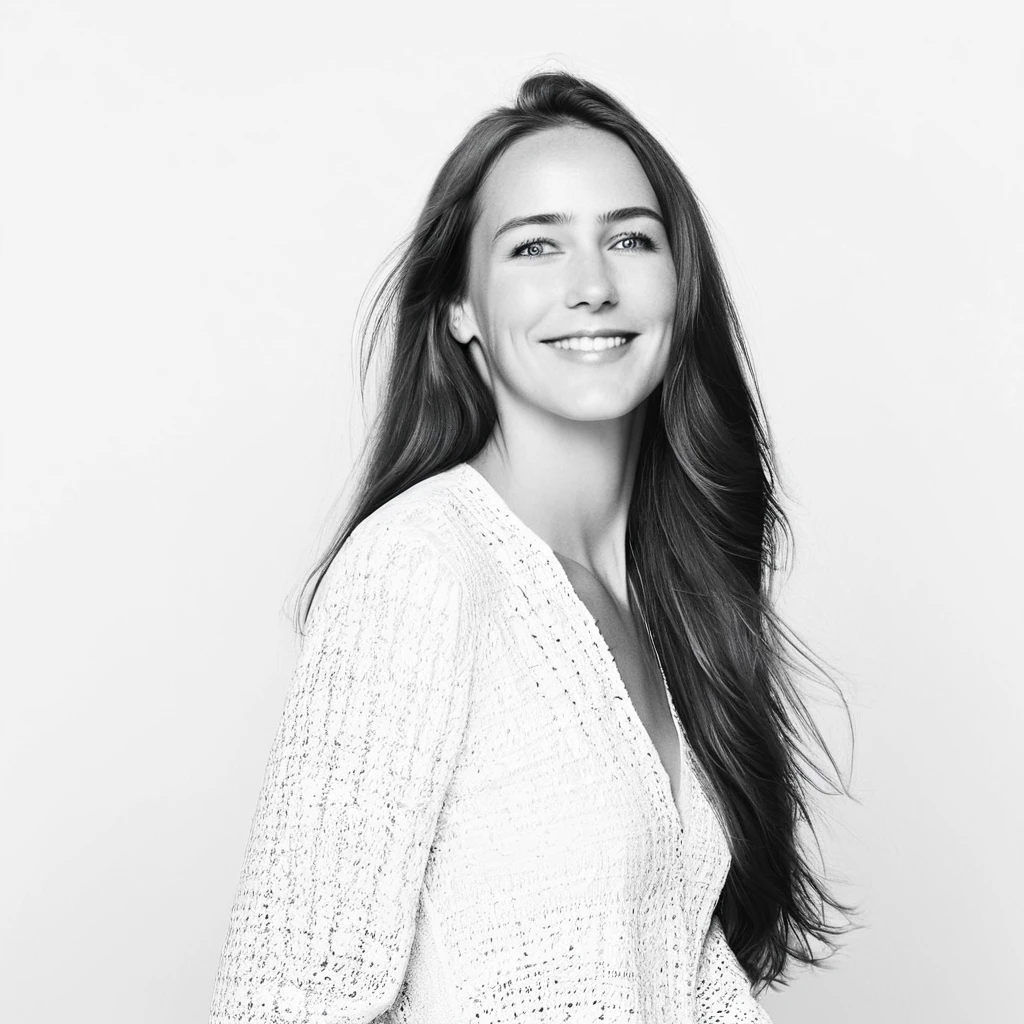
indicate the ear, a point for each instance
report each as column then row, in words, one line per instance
column 462, row 322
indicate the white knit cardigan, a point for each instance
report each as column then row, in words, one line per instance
column 463, row 817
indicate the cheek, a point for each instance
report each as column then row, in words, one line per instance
column 662, row 296
column 517, row 306
column 649, row 292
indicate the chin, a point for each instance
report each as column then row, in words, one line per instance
column 598, row 410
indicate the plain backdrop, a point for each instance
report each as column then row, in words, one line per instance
column 194, row 196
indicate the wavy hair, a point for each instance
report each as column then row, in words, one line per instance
column 705, row 530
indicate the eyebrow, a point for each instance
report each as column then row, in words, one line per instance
column 624, row 213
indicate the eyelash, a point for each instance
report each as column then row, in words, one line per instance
column 649, row 245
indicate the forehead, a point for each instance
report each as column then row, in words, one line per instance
column 563, row 170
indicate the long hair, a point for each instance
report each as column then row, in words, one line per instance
column 705, row 527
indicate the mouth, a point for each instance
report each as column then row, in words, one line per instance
column 597, row 341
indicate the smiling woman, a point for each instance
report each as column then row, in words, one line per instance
column 535, row 307
column 541, row 756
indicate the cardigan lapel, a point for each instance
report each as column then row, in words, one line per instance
column 576, row 613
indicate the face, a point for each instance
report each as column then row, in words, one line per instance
column 532, row 283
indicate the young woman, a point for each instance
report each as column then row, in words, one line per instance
column 540, row 756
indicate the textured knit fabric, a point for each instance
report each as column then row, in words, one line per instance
column 463, row 818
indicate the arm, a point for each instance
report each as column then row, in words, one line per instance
column 723, row 988
column 322, row 924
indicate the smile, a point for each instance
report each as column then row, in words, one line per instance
column 585, row 344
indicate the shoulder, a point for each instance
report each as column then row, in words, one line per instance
column 418, row 538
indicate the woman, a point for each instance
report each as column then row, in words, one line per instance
column 539, row 758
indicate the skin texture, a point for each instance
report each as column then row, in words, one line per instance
column 563, row 454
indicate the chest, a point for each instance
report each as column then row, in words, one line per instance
column 637, row 666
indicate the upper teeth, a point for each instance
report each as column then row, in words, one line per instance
column 590, row 344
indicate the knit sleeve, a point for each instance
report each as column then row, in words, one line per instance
column 322, row 923
column 723, row 988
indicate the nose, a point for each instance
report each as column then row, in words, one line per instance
column 590, row 282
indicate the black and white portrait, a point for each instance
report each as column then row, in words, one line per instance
column 507, row 512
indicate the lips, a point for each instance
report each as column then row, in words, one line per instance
column 628, row 335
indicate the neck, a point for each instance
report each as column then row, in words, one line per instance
column 571, row 483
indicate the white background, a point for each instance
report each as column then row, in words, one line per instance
column 194, row 197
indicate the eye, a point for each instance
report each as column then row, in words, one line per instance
column 640, row 241
column 518, row 250
column 636, row 241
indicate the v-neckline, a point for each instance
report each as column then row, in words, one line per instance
column 589, row 624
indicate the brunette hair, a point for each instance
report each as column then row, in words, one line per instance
column 705, row 533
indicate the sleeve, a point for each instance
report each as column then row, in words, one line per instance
column 724, row 995
column 322, row 924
